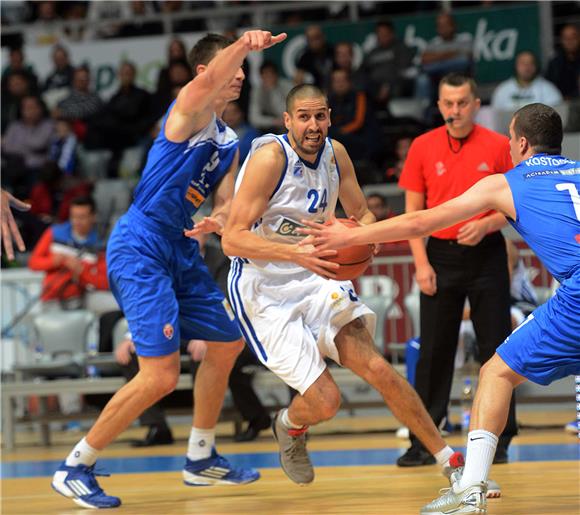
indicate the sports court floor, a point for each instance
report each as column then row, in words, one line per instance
column 355, row 473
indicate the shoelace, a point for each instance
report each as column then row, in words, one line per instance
column 92, row 480
column 222, row 462
column 297, row 447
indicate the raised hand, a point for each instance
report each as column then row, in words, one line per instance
column 10, row 232
column 261, row 39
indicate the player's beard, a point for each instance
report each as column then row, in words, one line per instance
column 310, row 150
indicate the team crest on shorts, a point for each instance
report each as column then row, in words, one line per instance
column 336, row 300
column 168, row 331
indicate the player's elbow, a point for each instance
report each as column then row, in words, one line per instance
column 418, row 226
column 228, row 243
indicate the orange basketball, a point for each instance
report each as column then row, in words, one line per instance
column 353, row 260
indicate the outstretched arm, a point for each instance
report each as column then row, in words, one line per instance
column 490, row 193
column 262, row 173
column 10, row 232
column 194, row 105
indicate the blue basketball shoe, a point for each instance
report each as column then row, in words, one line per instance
column 216, row 470
column 80, row 484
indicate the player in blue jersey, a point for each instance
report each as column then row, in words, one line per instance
column 541, row 199
column 158, row 277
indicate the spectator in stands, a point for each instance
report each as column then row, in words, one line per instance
column 136, row 26
column 447, row 52
column 387, row 65
column 26, row 143
column 268, row 99
column 344, row 60
column 113, row 13
column 17, row 87
column 63, row 147
column 178, row 75
column 564, row 67
column 72, row 255
column 50, row 197
column 75, row 11
column 17, row 65
column 45, row 30
column 315, row 64
column 525, row 87
column 126, row 117
column 234, row 118
column 352, row 120
column 395, row 167
column 63, row 72
column 176, row 52
column 81, row 104
column 379, row 206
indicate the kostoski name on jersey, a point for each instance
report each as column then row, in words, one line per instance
column 548, row 161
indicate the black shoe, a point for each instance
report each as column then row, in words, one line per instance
column 157, row 435
column 501, row 455
column 415, row 457
column 253, row 430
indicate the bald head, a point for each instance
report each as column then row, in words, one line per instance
column 301, row 92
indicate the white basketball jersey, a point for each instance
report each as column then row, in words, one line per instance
column 306, row 191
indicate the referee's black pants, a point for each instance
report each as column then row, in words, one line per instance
column 479, row 273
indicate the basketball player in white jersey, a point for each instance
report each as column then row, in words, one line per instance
column 292, row 313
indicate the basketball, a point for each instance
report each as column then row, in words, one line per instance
column 353, row 260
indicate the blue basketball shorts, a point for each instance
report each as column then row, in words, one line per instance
column 165, row 290
column 546, row 346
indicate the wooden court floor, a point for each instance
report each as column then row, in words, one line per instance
column 547, row 486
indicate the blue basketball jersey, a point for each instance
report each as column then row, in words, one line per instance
column 178, row 177
column 546, row 194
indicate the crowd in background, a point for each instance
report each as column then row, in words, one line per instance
column 53, row 125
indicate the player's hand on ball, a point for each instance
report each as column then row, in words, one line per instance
column 313, row 258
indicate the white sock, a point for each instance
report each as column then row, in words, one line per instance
column 481, row 447
column 82, row 454
column 443, row 456
column 201, row 442
column 285, row 419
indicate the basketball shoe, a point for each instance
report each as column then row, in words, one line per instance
column 294, row 457
column 456, row 464
column 471, row 499
column 216, row 470
column 80, row 484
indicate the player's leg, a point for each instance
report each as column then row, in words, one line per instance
column 319, row 402
column 206, row 315
column 489, row 298
column 211, row 381
column 156, row 378
column 357, row 352
column 151, row 310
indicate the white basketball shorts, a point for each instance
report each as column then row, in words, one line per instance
column 290, row 320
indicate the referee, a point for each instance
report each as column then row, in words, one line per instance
column 467, row 260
